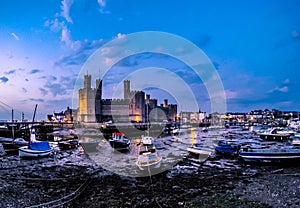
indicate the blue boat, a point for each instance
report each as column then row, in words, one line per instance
column 270, row 155
column 227, row 149
column 35, row 149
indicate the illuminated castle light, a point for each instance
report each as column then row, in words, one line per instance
column 134, row 107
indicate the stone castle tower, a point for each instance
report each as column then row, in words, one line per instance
column 90, row 101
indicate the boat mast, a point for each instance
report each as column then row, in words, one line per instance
column 13, row 126
column 31, row 134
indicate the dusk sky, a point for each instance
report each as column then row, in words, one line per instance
column 254, row 46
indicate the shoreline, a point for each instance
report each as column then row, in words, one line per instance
column 33, row 182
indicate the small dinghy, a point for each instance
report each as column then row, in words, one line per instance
column 35, row 149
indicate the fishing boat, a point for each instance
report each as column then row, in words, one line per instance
column 148, row 158
column 35, row 149
column 119, row 141
column 269, row 155
column 274, row 134
column 224, row 148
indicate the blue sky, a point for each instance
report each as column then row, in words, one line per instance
column 254, row 45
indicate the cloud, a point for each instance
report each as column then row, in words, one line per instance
column 43, row 91
column 295, row 34
column 66, row 36
column 203, row 41
column 34, row 71
column 24, row 90
column 279, row 89
column 120, row 35
column 231, row 94
column 287, row 81
column 13, row 71
column 65, row 6
column 57, row 86
column 102, row 3
column 10, row 55
column 15, row 36
column 79, row 54
column 36, row 100
column 54, row 25
column 3, row 79
column 55, row 89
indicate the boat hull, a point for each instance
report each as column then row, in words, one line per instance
column 25, row 152
column 13, row 147
column 269, row 156
column 276, row 137
column 119, row 144
column 149, row 165
column 227, row 150
column 66, row 145
column 198, row 151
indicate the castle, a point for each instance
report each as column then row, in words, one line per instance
column 134, row 107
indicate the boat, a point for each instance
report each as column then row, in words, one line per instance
column 6, row 139
column 148, row 158
column 296, row 141
column 227, row 149
column 269, row 155
column 119, row 141
column 66, row 145
column 147, row 140
column 14, row 145
column 198, row 150
column 35, row 149
column 175, row 131
column 273, row 134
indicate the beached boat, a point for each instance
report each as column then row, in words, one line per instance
column 227, row 149
column 35, row 149
column 296, row 141
column 147, row 140
column 148, row 158
column 119, row 141
column 273, row 134
column 14, row 145
column 66, row 145
column 269, row 155
column 198, row 150
column 6, row 139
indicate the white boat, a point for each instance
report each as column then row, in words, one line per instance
column 270, row 155
column 296, row 141
column 35, row 149
column 148, row 159
column 199, row 150
column 147, row 140
column 274, row 134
